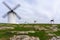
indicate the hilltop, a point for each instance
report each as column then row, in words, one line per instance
column 45, row 30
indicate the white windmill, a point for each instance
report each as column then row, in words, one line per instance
column 52, row 21
column 11, row 14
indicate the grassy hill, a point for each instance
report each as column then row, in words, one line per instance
column 44, row 30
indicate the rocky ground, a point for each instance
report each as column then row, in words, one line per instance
column 51, row 30
column 24, row 37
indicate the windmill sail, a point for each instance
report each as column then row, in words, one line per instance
column 5, row 15
column 17, row 16
column 16, row 7
column 6, row 5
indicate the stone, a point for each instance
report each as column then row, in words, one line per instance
column 53, row 38
column 24, row 37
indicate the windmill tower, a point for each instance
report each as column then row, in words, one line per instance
column 52, row 21
column 11, row 14
column 34, row 21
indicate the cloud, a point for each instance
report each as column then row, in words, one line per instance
column 40, row 10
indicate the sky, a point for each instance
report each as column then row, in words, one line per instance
column 40, row 10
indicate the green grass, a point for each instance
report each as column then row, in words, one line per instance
column 27, row 27
column 41, row 34
column 21, row 25
column 57, row 33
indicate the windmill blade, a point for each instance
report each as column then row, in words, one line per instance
column 18, row 16
column 16, row 7
column 6, row 5
column 5, row 15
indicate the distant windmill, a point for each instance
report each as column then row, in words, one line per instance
column 52, row 21
column 34, row 21
column 11, row 14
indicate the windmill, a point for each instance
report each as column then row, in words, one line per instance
column 52, row 21
column 34, row 21
column 11, row 14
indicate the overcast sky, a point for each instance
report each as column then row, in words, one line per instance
column 40, row 10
